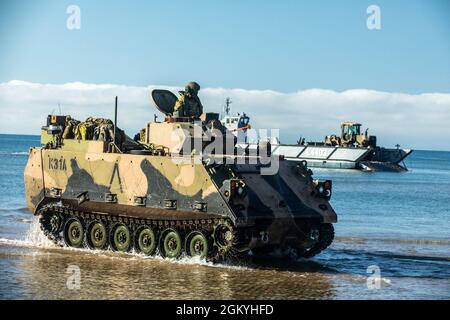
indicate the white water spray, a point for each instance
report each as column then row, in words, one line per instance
column 36, row 237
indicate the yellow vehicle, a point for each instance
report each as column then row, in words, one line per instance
column 351, row 136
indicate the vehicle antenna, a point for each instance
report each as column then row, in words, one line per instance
column 115, row 121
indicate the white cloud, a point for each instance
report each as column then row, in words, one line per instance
column 418, row 121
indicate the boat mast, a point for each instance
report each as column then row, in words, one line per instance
column 228, row 103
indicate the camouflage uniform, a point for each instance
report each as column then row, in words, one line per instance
column 188, row 104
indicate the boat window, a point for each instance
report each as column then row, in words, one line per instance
column 244, row 121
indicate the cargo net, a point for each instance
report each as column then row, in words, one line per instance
column 92, row 129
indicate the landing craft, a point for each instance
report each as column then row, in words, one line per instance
column 93, row 186
column 351, row 150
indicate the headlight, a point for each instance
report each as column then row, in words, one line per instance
column 323, row 188
column 236, row 188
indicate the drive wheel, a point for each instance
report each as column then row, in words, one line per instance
column 145, row 241
column 224, row 236
column 121, row 239
column 197, row 245
column 97, row 235
column 171, row 244
column 73, row 233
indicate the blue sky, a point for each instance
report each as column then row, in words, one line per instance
column 278, row 45
column 299, row 66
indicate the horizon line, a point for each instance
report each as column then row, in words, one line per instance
column 37, row 135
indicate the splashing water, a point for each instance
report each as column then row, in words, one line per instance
column 36, row 237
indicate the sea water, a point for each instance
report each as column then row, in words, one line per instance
column 392, row 241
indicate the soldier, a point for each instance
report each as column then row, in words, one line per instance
column 188, row 104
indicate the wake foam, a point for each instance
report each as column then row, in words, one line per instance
column 393, row 240
column 18, row 153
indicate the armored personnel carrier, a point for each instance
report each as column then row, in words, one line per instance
column 93, row 186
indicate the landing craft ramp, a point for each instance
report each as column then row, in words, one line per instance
column 318, row 156
column 367, row 159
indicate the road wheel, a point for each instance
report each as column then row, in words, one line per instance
column 97, row 237
column 73, row 233
column 121, row 238
column 197, row 245
column 171, row 244
column 145, row 241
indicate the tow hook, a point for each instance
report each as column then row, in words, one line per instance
column 264, row 236
column 314, row 235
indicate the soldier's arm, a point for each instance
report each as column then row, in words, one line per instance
column 178, row 108
column 200, row 106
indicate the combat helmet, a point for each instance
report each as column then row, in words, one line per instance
column 192, row 88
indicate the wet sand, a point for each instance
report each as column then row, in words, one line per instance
column 36, row 269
